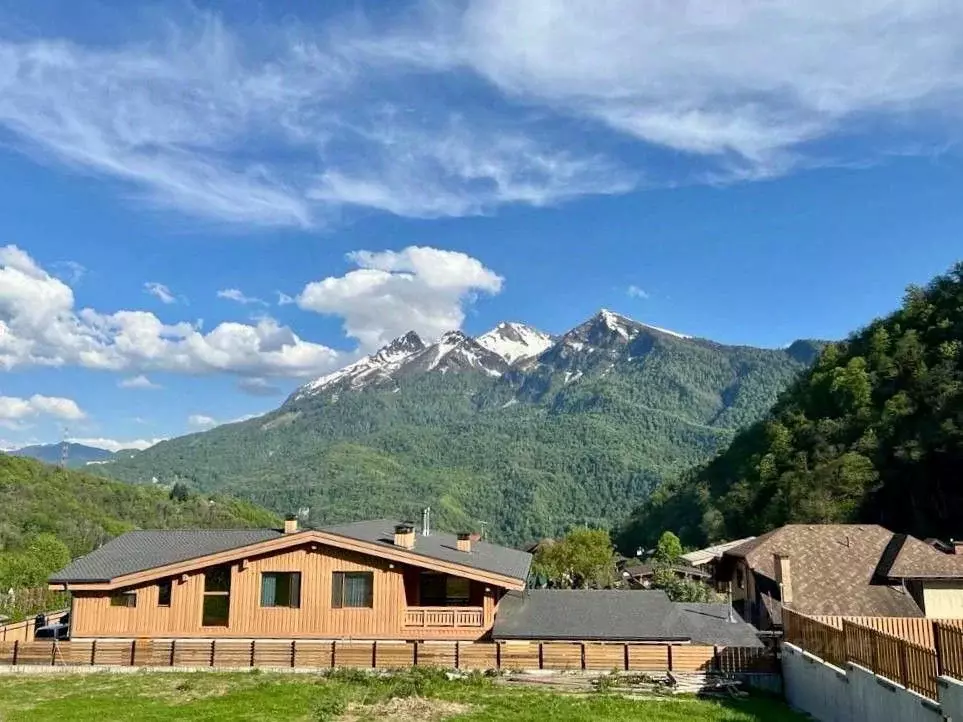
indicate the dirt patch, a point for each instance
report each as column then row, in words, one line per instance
column 405, row 709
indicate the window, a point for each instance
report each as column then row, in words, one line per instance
column 281, row 589
column 352, row 589
column 442, row 590
column 217, row 596
column 123, row 599
column 164, row 589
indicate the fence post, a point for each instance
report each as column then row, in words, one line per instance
column 498, row 655
column 625, row 656
column 133, row 652
column 668, row 649
column 875, row 637
column 457, row 655
column 903, row 667
column 53, row 653
column 582, row 645
column 374, row 654
column 252, row 652
column 173, row 647
column 211, row 660
column 938, row 646
column 93, row 652
column 16, row 652
column 540, row 657
column 294, row 643
column 334, row 646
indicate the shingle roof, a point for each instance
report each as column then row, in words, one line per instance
column 836, row 569
column 138, row 551
column 919, row 560
column 443, row 546
column 615, row 615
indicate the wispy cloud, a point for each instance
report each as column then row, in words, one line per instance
column 14, row 409
column 236, row 295
column 201, row 421
column 100, row 442
column 636, row 292
column 137, row 382
column 160, row 292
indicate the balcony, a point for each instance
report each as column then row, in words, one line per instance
column 444, row 617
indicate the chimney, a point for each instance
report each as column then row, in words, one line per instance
column 405, row 535
column 290, row 524
column 783, row 577
column 464, row 541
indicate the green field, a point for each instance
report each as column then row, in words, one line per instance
column 422, row 696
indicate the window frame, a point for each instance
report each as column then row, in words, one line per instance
column 130, row 598
column 338, row 586
column 293, row 585
column 163, row 584
column 209, row 576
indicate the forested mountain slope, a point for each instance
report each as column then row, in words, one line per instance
column 873, row 433
column 485, row 432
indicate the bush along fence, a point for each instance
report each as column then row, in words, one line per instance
column 386, row 655
column 916, row 666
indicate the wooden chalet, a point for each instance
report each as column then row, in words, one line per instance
column 369, row 580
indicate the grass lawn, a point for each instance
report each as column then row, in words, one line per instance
column 421, row 695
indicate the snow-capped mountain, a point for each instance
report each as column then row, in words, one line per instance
column 515, row 341
column 507, row 347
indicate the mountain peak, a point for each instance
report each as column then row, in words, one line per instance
column 515, row 341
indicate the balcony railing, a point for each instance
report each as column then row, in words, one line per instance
column 444, row 617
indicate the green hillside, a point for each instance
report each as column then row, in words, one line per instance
column 873, row 433
column 578, row 438
column 48, row 516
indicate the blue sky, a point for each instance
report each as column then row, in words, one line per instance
column 204, row 205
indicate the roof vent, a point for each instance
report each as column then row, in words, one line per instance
column 464, row 541
column 405, row 535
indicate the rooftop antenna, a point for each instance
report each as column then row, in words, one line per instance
column 426, row 522
column 64, row 450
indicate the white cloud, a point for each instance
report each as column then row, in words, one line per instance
column 278, row 126
column 201, row 421
column 160, row 291
column 117, row 445
column 14, row 409
column 137, row 382
column 284, row 299
column 741, row 86
column 39, row 326
column 234, row 294
column 419, row 288
column 70, row 271
column 634, row 291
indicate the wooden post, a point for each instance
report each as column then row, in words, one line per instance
column 133, row 652
column 374, row 654
column 93, row 652
column 334, row 654
column 938, row 646
column 16, row 652
column 541, row 661
column 498, row 654
column 213, row 642
column 668, row 648
column 415, row 654
column 625, row 657
column 53, row 653
column 875, row 660
column 582, row 645
column 294, row 652
column 903, row 667
column 457, row 655
column 173, row 646
column 253, row 642
column 716, row 659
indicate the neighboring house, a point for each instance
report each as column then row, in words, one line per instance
column 367, row 580
column 611, row 615
column 841, row 570
column 639, row 574
column 708, row 559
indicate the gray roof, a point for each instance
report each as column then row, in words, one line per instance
column 442, row 546
column 137, row 551
column 616, row 615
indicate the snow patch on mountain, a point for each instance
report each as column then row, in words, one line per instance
column 515, row 341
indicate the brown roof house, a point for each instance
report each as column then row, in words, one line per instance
column 841, row 570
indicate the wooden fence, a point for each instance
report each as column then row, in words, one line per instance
column 451, row 655
column 914, row 629
column 23, row 631
column 914, row 665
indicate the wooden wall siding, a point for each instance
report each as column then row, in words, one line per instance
column 23, row 631
column 914, row 629
column 94, row 617
column 315, row 654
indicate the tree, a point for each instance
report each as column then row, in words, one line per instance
column 583, row 559
column 682, row 590
column 180, row 492
column 669, row 548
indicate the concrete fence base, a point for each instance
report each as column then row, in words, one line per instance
column 855, row 694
